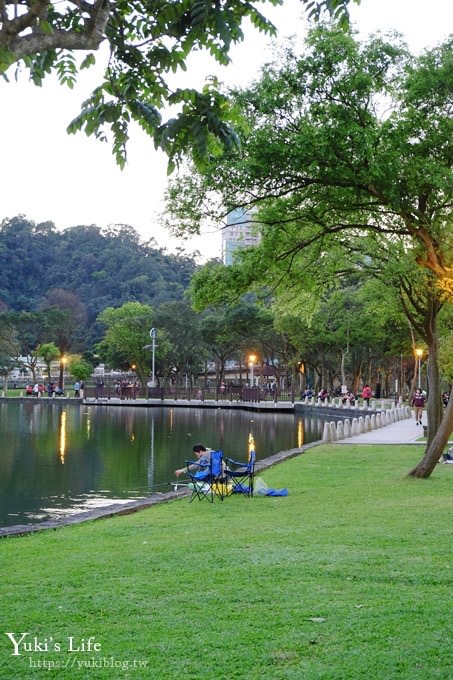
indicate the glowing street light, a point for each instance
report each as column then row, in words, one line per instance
column 252, row 359
column 419, row 353
column 64, row 361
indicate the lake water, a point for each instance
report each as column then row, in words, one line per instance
column 58, row 459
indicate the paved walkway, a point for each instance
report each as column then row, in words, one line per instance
column 402, row 432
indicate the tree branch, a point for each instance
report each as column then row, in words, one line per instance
column 12, row 27
column 33, row 43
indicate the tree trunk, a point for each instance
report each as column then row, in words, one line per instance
column 342, row 367
column 356, row 378
column 436, row 447
column 434, row 406
column 439, row 428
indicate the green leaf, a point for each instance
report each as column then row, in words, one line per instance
column 89, row 60
column 45, row 27
column 6, row 59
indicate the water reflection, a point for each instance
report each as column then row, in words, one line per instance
column 300, row 433
column 62, row 435
column 58, row 459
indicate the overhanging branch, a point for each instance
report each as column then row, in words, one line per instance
column 37, row 41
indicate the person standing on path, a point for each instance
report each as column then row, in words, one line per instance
column 418, row 402
column 366, row 394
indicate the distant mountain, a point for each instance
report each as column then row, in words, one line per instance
column 103, row 267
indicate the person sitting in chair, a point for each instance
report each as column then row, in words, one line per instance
column 204, row 456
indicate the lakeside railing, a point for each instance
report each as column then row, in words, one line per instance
column 130, row 391
column 175, row 392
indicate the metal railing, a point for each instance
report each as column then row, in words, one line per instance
column 131, row 391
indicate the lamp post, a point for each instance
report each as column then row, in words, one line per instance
column 419, row 353
column 152, row 335
column 252, row 359
column 64, row 361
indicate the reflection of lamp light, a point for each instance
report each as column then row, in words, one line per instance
column 62, row 436
column 88, row 424
column 252, row 359
column 251, row 443
column 419, row 353
column 300, row 433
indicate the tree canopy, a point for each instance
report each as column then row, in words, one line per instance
column 347, row 151
column 348, row 136
column 147, row 43
column 128, row 332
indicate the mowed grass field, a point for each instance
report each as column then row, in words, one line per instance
column 349, row 576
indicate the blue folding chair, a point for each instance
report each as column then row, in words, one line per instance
column 207, row 477
column 240, row 475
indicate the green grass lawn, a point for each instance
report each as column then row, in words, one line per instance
column 350, row 576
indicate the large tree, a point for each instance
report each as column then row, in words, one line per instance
column 146, row 42
column 49, row 353
column 127, row 332
column 9, row 348
column 65, row 323
column 185, row 353
column 348, row 139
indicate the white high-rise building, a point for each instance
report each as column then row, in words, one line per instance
column 239, row 233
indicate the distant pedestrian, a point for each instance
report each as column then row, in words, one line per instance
column 366, row 394
column 99, row 390
column 323, row 395
column 418, row 402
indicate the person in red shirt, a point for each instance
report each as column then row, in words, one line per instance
column 418, row 402
column 366, row 394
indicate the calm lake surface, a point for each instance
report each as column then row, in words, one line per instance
column 59, row 459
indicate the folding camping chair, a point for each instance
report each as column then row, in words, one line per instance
column 207, row 478
column 240, row 475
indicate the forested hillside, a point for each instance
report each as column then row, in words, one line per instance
column 103, row 267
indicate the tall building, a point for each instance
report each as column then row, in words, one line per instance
column 239, row 233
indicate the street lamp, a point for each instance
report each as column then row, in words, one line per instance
column 64, row 361
column 419, row 353
column 252, row 359
column 152, row 335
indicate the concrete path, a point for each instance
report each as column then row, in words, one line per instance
column 402, row 432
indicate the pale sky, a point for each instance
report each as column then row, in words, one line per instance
column 47, row 174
